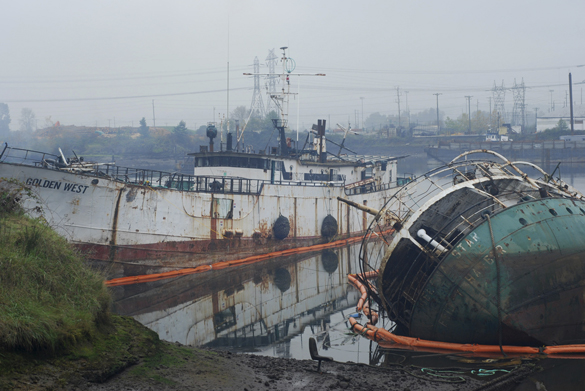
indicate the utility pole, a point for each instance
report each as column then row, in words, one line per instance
column 407, row 109
column 438, row 123
column 571, row 104
column 362, row 98
column 551, row 101
column 469, row 111
column 536, row 120
column 153, row 116
column 398, row 95
column 490, row 99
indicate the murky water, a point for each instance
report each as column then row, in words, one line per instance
column 270, row 308
column 273, row 308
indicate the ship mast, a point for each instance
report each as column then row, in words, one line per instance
column 282, row 99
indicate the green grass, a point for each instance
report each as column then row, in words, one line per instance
column 48, row 297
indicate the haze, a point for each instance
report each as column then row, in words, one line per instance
column 103, row 62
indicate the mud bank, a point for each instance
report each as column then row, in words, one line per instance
column 128, row 356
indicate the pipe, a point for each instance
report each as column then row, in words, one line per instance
column 423, row 235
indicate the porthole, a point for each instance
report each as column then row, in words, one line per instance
column 95, row 182
column 553, row 212
column 569, row 210
column 523, row 221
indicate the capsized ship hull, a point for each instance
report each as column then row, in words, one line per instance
column 442, row 280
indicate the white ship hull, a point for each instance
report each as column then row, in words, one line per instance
column 140, row 228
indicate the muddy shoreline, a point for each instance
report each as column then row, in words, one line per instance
column 128, row 356
column 186, row 368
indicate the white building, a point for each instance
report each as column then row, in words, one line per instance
column 550, row 120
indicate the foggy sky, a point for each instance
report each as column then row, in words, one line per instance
column 96, row 62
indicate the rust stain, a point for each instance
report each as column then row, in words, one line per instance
column 131, row 195
column 112, row 254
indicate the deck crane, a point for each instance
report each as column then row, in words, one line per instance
column 345, row 132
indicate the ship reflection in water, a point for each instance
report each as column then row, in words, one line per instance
column 259, row 307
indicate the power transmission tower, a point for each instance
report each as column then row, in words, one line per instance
column 272, row 79
column 499, row 94
column 518, row 91
column 257, row 105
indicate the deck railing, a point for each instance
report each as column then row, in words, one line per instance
column 151, row 178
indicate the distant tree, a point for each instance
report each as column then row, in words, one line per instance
column 458, row 125
column 427, row 117
column 4, row 118
column 48, row 122
column 202, row 130
column 27, row 120
column 480, row 122
column 143, row 129
column 181, row 135
column 376, row 121
column 562, row 126
column 240, row 113
column 181, row 128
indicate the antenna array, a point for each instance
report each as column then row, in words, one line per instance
column 271, row 79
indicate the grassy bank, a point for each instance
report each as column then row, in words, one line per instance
column 56, row 331
column 48, row 297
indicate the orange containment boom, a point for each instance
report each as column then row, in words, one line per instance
column 386, row 339
column 238, row 262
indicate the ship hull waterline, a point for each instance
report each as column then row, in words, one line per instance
column 130, row 229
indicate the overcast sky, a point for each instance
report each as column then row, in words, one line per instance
column 96, row 62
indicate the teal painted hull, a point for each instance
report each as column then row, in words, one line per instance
column 542, row 280
column 541, row 246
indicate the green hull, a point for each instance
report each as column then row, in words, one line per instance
column 542, row 280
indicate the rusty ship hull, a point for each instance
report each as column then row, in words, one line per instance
column 134, row 221
column 488, row 256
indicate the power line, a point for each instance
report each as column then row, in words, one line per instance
column 116, row 78
column 118, row 97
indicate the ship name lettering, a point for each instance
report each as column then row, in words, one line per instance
column 75, row 188
column 72, row 187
